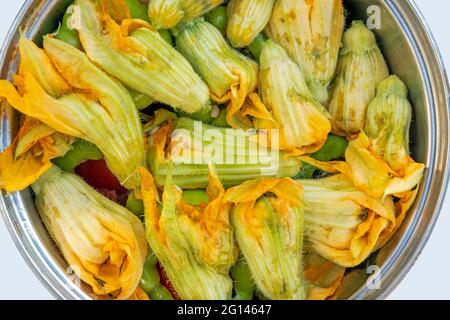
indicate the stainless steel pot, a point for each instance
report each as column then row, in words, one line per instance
column 411, row 53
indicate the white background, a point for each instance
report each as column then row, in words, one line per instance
column 427, row 280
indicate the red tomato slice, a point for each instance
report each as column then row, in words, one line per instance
column 98, row 176
column 166, row 282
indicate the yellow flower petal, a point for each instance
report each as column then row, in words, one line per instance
column 18, row 174
column 412, row 176
column 230, row 76
column 165, row 14
column 402, row 207
column 303, row 123
column 139, row 294
column 31, row 132
column 250, row 190
column 369, row 172
column 36, row 103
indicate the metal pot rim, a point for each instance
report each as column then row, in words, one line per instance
column 398, row 268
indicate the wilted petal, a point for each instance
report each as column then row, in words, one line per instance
column 360, row 69
column 192, row 145
column 103, row 114
column 34, row 60
column 137, row 55
column 230, row 75
column 165, row 14
column 28, row 157
column 342, row 223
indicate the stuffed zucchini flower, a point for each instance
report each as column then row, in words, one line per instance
column 268, row 221
column 194, row 244
column 231, row 76
column 30, row 154
column 166, row 14
column 36, row 144
column 379, row 158
column 237, row 155
column 35, row 61
column 388, row 122
column 138, row 56
column 246, row 19
column 361, row 68
column 311, row 32
column 344, row 224
column 303, row 123
column 101, row 240
column 97, row 109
